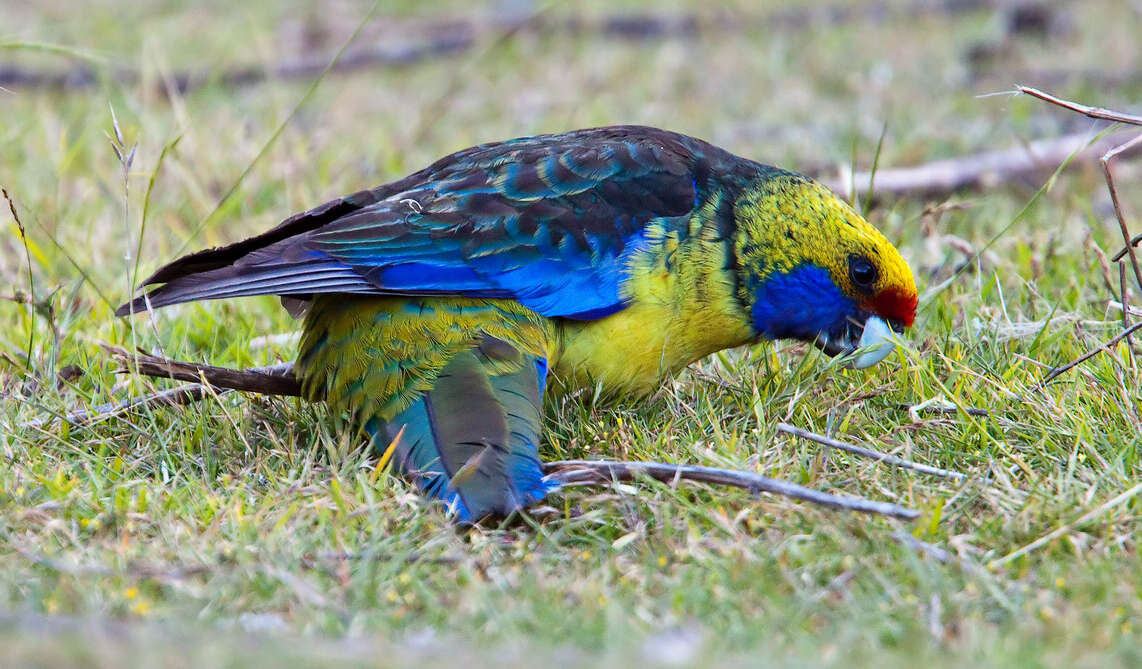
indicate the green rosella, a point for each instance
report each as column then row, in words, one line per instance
column 439, row 307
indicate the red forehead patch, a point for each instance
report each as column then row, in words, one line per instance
column 895, row 304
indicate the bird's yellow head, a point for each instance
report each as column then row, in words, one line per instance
column 813, row 269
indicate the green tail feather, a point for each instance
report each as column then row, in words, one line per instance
column 471, row 440
column 454, row 385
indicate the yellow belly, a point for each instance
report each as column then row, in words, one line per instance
column 667, row 326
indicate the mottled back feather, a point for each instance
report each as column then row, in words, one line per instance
column 550, row 221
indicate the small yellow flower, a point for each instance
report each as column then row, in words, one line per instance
column 131, row 593
column 585, row 555
column 140, row 608
column 1060, row 582
column 661, row 560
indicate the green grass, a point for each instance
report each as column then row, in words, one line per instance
column 242, row 530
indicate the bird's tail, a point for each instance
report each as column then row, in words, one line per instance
column 471, row 440
column 458, row 414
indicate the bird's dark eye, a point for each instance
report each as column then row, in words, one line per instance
column 862, row 272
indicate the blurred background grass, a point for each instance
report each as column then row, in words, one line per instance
column 242, row 530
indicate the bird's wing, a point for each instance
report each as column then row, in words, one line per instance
column 549, row 221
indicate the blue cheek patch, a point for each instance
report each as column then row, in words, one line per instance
column 800, row 304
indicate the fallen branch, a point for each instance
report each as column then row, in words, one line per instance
column 869, row 453
column 1085, row 110
column 455, row 36
column 271, row 380
column 570, row 472
column 978, row 171
column 1110, row 154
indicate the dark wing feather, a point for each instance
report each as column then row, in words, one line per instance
column 548, row 220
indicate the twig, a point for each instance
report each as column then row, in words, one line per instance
column 270, row 380
column 1055, row 371
column 981, row 170
column 1092, row 112
column 569, row 472
column 1126, row 238
column 870, row 453
column 1109, row 155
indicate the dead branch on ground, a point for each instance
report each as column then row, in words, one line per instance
column 452, row 37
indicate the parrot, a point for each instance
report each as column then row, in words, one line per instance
column 439, row 309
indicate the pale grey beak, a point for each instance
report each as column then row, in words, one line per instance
column 876, row 343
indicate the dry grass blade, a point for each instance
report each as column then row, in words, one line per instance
column 1117, row 500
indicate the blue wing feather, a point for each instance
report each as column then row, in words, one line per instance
column 551, row 221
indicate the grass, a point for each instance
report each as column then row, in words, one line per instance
column 242, row 530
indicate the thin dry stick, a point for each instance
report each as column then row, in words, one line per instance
column 1126, row 238
column 279, row 380
column 181, row 395
column 1125, row 292
column 1092, row 112
column 869, row 453
column 569, row 472
column 1117, row 117
column 1055, row 371
column 939, row 554
column 1060, row 531
column 270, row 380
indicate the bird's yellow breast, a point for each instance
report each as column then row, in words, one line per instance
column 682, row 307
